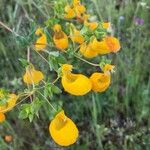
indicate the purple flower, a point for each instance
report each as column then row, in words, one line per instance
column 139, row 21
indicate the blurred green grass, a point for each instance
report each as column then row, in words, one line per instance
column 115, row 119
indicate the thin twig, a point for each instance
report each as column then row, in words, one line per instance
column 47, row 101
column 93, row 64
column 7, row 28
column 28, row 54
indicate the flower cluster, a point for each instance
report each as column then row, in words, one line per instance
column 86, row 39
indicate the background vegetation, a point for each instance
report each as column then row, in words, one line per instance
column 117, row 119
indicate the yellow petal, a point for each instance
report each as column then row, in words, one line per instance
column 41, row 42
column 12, row 98
column 57, row 28
column 70, row 12
column 2, row 117
column 108, row 68
column 32, row 76
column 63, row 130
column 100, row 47
column 61, row 43
column 77, row 37
column 75, row 84
column 87, row 50
column 76, row 2
column 60, row 38
column 80, row 9
column 113, row 44
column 11, row 101
column 66, row 68
column 106, row 25
column 91, row 25
column 100, row 81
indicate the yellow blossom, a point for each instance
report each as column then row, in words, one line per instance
column 60, row 38
column 79, row 8
column 76, row 36
column 108, row 68
column 100, row 47
column 106, row 25
column 113, row 44
column 70, row 13
column 63, row 130
column 75, row 10
column 75, row 84
column 32, row 76
column 10, row 103
column 87, row 51
column 100, row 81
column 2, row 117
column 108, row 45
column 91, row 25
column 41, row 42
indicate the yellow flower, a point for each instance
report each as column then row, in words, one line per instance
column 75, row 84
column 100, row 47
column 12, row 98
column 113, row 44
column 63, row 130
column 100, row 81
column 107, row 45
column 41, row 42
column 60, row 38
column 32, row 76
column 76, row 2
column 79, row 9
column 76, row 36
column 70, row 13
column 2, row 117
column 75, row 10
column 106, row 25
column 87, row 50
column 108, row 68
column 91, row 25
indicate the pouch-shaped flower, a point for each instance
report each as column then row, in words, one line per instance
column 60, row 38
column 41, row 42
column 88, row 51
column 100, row 81
column 107, row 45
column 63, row 130
column 75, row 84
column 69, row 12
column 76, row 36
column 32, row 76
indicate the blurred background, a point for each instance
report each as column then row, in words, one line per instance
column 117, row 119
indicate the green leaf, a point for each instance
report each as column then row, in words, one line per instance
column 31, row 116
column 48, row 91
column 23, row 62
column 56, row 90
column 30, row 110
column 23, row 114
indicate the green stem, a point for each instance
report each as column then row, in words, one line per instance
column 93, row 64
column 47, row 101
